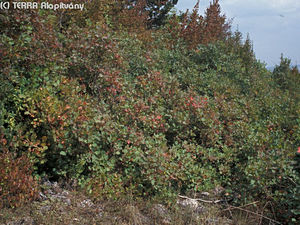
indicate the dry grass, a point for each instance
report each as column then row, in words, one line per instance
column 63, row 207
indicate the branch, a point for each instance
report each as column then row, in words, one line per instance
column 199, row 199
column 248, row 211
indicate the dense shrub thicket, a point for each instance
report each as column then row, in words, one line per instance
column 153, row 112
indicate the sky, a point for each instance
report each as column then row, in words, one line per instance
column 273, row 25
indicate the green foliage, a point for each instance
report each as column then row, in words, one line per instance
column 158, row 10
column 92, row 101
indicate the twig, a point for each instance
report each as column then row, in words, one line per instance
column 273, row 211
column 292, row 180
column 262, row 211
column 248, row 211
column 252, row 203
column 229, row 209
column 199, row 199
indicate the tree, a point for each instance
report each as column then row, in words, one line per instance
column 192, row 27
column 157, row 10
column 281, row 73
column 216, row 26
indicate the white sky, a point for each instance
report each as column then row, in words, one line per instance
column 273, row 25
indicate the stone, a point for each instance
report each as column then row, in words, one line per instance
column 192, row 204
column 86, row 203
column 23, row 221
column 162, row 212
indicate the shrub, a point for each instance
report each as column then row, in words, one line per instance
column 17, row 184
column 92, row 101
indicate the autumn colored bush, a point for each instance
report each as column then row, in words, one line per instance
column 196, row 29
column 17, row 184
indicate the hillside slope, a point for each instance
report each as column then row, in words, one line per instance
column 106, row 102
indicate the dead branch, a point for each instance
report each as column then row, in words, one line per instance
column 199, row 199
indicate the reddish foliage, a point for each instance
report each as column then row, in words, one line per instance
column 17, row 183
column 196, row 29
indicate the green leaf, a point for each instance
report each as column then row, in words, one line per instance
column 63, row 153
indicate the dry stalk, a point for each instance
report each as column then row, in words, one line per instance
column 254, row 213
